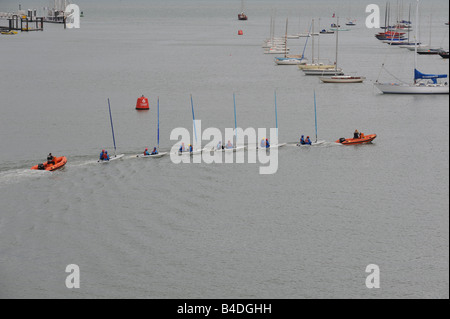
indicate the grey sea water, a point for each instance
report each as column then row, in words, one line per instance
column 152, row 229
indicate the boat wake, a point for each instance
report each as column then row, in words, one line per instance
column 321, row 144
column 17, row 175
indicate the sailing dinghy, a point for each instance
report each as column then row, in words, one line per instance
column 115, row 156
column 235, row 148
column 187, row 152
column 316, row 142
column 158, row 155
column 276, row 125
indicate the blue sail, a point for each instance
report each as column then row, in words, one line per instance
column 158, row 122
column 112, row 127
column 235, row 121
column 419, row 75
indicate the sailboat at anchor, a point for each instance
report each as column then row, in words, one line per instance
column 423, row 83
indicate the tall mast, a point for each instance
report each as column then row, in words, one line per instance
column 389, row 17
column 409, row 20
column 429, row 44
column 337, row 41
column 385, row 17
column 193, row 119
column 273, row 25
column 270, row 33
column 318, row 46
column 285, row 39
column 415, row 42
column 306, row 42
column 276, row 112
column 315, row 112
column 235, row 120
column 112, row 127
column 312, row 34
column 158, row 122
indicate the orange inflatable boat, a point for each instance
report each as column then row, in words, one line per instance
column 59, row 162
column 353, row 141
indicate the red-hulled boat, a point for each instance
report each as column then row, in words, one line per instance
column 59, row 163
column 353, row 141
column 242, row 16
column 390, row 35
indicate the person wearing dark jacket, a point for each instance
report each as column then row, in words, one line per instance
column 50, row 159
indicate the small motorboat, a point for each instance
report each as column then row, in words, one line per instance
column 242, row 16
column 59, row 163
column 353, row 141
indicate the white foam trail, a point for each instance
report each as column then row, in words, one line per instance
column 17, row 175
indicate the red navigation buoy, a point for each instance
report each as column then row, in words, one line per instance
column 142, row 103
column 240, row 32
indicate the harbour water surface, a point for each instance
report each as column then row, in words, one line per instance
column 152, row 229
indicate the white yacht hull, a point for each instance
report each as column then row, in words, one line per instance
column 391, row 88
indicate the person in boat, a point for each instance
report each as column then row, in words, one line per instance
column 219, row 145
column 105, row 156
column 182, row 148
column 229, row 144
column 155, row 151
column 263, row 143
column 267, row 143
column 190, row 148
column 146, row 152
column 101, row 155
column 50, row 159
column 308, row 141
column 356, row 134
column 302, row 140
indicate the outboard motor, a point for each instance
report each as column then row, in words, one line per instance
column 342, row 140
column 41, row 166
